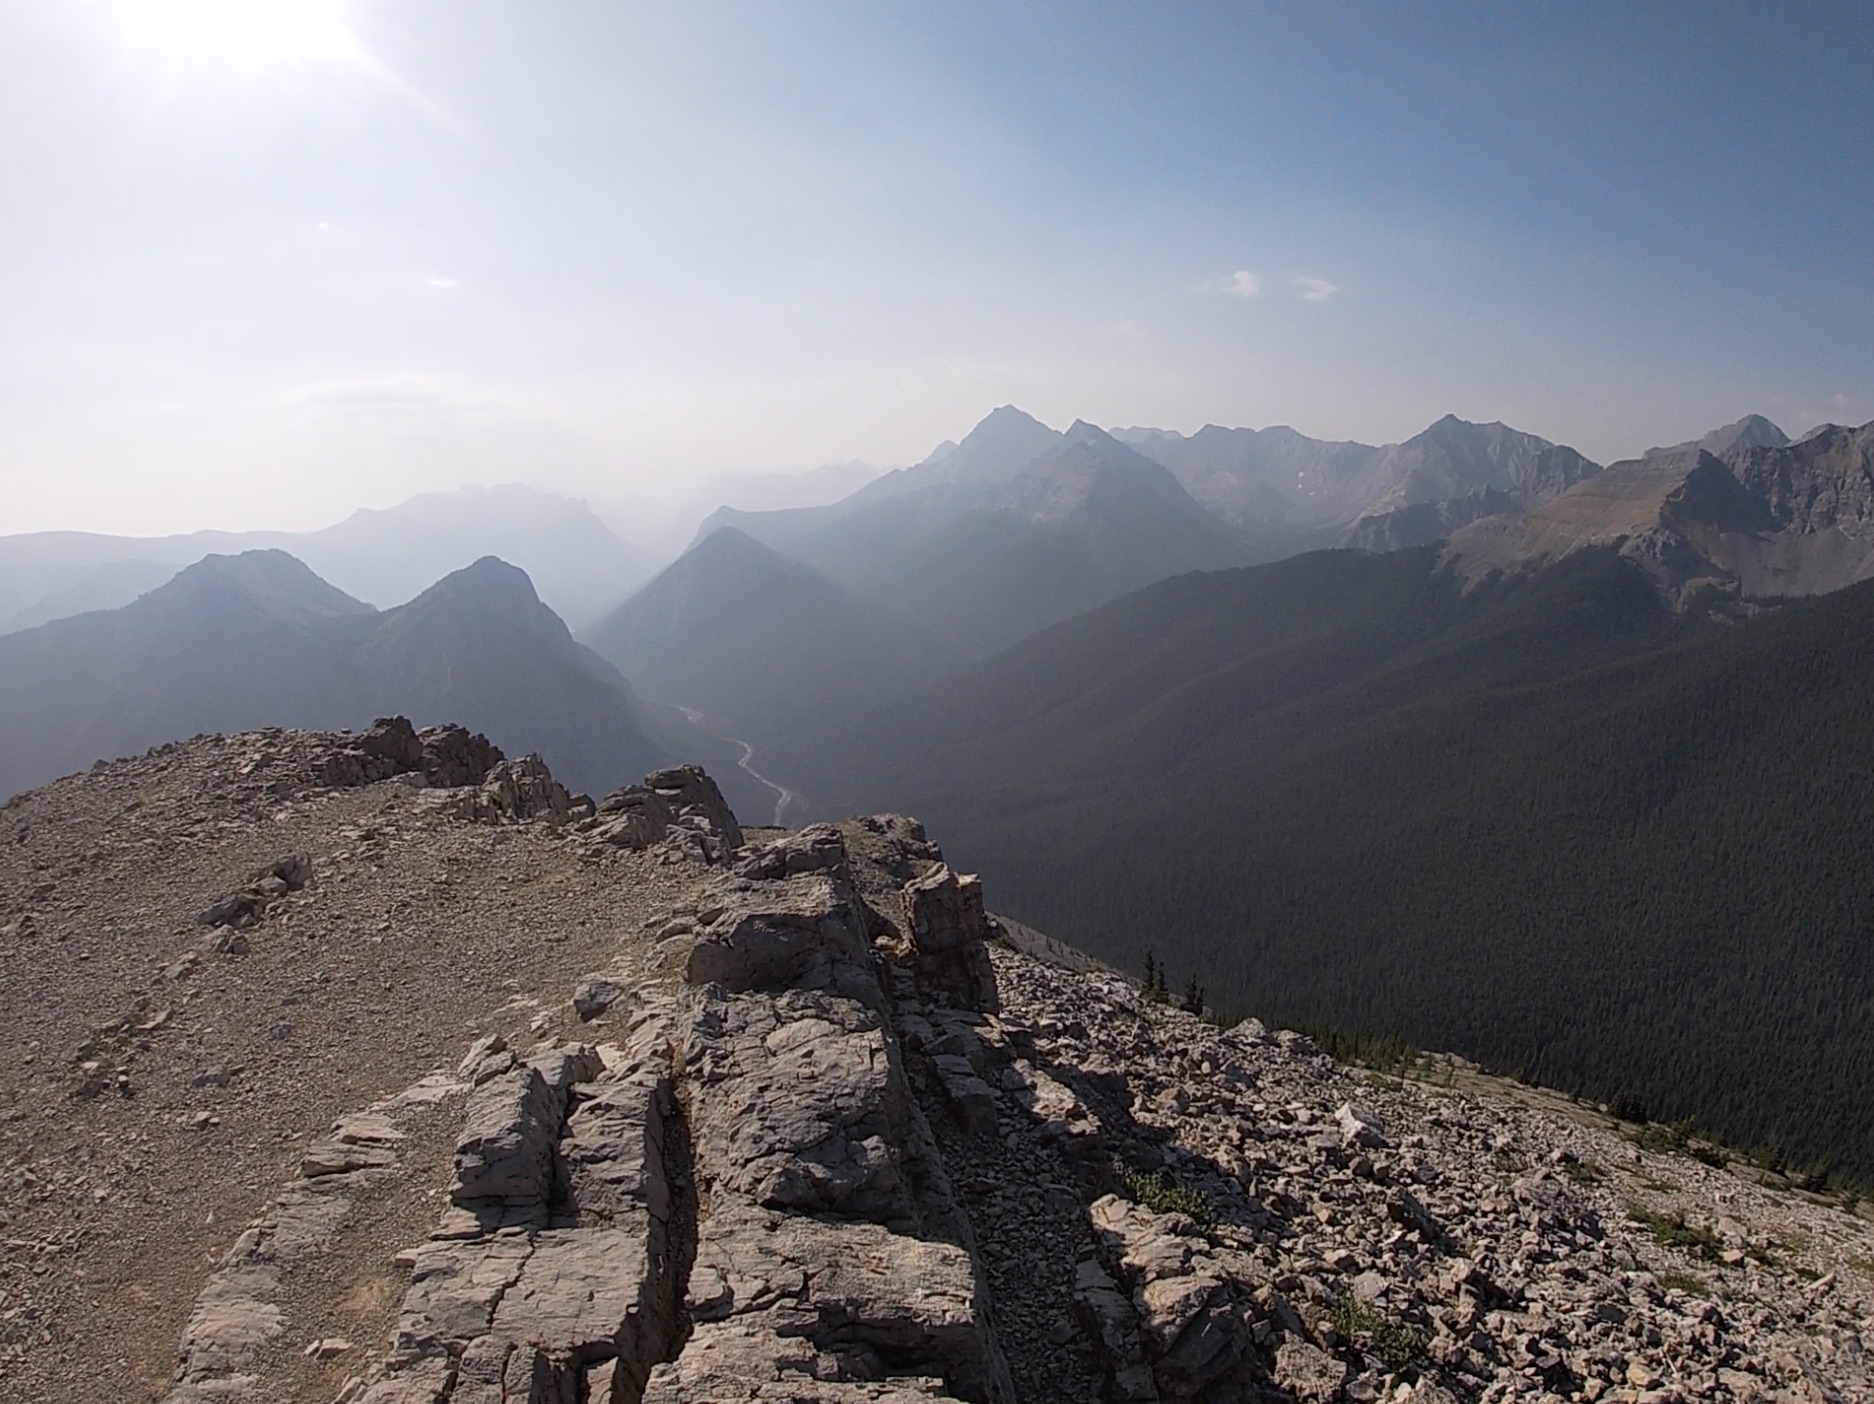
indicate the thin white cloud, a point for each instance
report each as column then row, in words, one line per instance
column 1241, row 283
column 436, row 280
column 392, row 401
column 1312, row 289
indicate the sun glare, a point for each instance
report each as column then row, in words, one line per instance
column 243, row 33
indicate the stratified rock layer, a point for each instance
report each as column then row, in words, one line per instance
column 818, row 1130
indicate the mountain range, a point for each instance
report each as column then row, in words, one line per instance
column 1764, row 521
column 1288, row 492
column 1491, row 791
column 1543, row 818
column 1015, row 527
column 385, row 556
column 1018, row 526
column 238, row 642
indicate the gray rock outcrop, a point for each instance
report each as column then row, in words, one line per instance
column 681, row 804
column 946, row 926
column 446, row 756
column 1763, row 522
column 827, row 1142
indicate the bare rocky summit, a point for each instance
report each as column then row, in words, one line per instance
column 1740, row 516
column 339, row 1072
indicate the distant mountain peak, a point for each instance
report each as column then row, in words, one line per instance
column 1005, row 442
column 492, row 584
column 491, row 572
column 1449, row 425
column 731, row 547
column 1009, row 414
column 276, row 581
column 1752, row 431
column 1081, row 432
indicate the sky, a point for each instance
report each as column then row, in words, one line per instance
column 266, row 261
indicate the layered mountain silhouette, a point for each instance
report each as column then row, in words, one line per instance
column 1016, row 527
column 763, row 644
column 749, row 492
column 1541, row 818
column 384, row 556
column 1764, row 521
column 1288, row 492
column 237, row 642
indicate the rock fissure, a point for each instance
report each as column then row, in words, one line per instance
column 824, row 1130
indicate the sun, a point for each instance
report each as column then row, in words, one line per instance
column 242, row 33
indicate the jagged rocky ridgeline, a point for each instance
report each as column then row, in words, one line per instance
column 822, row 1130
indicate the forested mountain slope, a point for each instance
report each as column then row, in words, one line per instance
column 763, row 643
column 1545, row 823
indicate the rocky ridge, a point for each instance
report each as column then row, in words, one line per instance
column 797, row 1119
column 1764, row 520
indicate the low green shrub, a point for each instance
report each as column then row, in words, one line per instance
column 1398, row 1348
column 1672, row 1231
column 1163, row 1195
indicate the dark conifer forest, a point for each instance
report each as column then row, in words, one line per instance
column 1547, row 824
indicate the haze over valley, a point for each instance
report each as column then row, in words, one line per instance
column 1011, row 705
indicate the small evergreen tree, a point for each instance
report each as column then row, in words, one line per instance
column 1193, row 1001
column 1149, row 985
column 1627, row 1105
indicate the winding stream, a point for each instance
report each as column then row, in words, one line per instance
column 783, row 796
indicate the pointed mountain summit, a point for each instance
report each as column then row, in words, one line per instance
column 388, row 555
column 269, row 582
column 1082, row 465
column 1752, row 431
column 1455, row 458
column 1016, row 527
column 480, row 647
column 489, row 584
column 763, row 643
column 258, row 639
column 1005, row 442
column 1456, row 472
column 1134, row 511
column 381, row 555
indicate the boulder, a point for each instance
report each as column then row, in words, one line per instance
column 801, row 1105
column 455, row 756
column 1309, row 1373
column 681, row 803
column 505, row 1151
column 817, row 848
column 1359, row 1127
column 789, row 1299
column 445, row 756
column 810, row 933
column 594, row 995
column 525, row 789
column 946, row 926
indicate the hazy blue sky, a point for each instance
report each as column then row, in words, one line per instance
column 256, row 272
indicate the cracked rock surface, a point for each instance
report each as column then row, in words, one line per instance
column 478, row 1091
